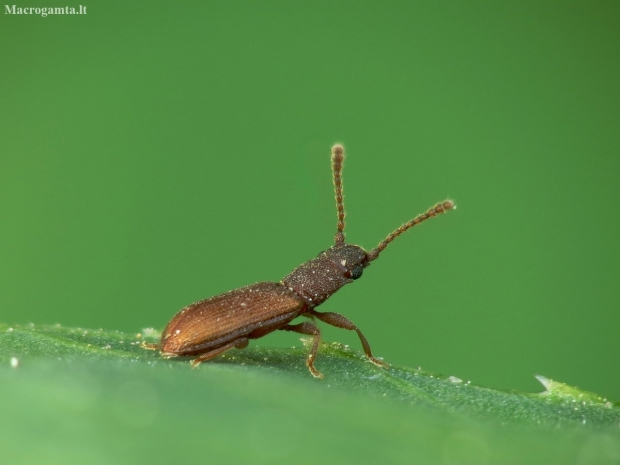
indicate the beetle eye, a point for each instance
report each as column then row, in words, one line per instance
column 356, row 272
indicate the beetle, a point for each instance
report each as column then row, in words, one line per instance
column 208, row 328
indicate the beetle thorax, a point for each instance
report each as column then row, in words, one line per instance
column 317, row 279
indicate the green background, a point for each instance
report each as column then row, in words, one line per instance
column 154, row 154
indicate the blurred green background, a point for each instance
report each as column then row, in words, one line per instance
column 154, row 154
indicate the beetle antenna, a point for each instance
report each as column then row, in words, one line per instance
column 337, row 162
column 441, row 207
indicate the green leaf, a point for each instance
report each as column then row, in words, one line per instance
column 92, row 396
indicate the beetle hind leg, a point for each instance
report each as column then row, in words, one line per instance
column 240, row 343
column 310, row 330
column 150, row 345
column 340, row 321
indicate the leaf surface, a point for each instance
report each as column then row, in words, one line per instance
column 91, row 395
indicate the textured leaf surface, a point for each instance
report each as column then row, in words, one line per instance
column 75, row 395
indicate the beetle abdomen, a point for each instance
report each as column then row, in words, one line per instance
column 259, row 308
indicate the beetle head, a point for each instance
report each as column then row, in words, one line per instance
column 351, row 257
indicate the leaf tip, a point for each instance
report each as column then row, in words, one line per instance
column 546, row 382
column 564, row 391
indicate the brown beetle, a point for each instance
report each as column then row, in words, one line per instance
column 210, row 327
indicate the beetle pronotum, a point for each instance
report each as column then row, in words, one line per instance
column 210, row 327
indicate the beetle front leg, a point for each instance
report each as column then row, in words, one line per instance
column 339, row 321
column 240, row 343
column 310, row 330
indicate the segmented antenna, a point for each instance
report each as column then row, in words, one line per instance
column 434, row 211
column 337, row 162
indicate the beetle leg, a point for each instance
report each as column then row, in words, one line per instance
column 311, row 317
column 238, row 343
column 150, row 345
column 310, row 330
column 339, row 321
